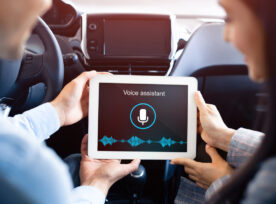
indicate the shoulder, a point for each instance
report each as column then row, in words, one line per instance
column 266, row 175
column 267, row 171
column 15, row 143
column 262, row 189
column 30, row 165
column 18, row 148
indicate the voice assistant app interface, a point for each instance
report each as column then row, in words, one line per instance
column 142, row 117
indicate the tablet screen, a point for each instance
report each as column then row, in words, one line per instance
column 142, row 117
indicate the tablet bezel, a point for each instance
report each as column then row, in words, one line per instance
column 93, row 152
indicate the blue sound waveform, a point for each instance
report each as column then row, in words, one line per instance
column 135, row 141
column 107, row 140
column 166, row 142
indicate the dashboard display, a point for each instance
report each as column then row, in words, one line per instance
column 127, row 36
column 137, row 38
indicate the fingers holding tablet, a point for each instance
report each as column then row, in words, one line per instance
column 200, row 102
column 103, row 173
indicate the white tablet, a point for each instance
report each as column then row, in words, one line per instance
column 145, row 117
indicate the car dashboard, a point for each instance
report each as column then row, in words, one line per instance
column 123, row 43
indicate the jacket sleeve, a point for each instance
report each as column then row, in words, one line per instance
column 87, row 195
column 36, row 171
column 215, row 186
column 40, row 122
column 242, row 146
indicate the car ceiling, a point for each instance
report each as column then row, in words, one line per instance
column 208, row 8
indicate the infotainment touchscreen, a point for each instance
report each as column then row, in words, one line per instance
column 128, row 36
column 137, row 37
column 142, row 117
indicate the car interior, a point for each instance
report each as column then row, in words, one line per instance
column 69, row 40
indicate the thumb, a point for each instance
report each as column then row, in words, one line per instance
column 84, row 146
column 212, row 152
column 200, row 102
column 131, row 167
column 83, row 78
column 183, row 162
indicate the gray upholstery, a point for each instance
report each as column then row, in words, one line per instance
column 206, row 48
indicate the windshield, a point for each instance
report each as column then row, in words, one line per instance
column 197, row 8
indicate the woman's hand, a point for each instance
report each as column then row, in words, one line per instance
column 102, row 174
column 204, row 174
column 72, row 102
column 213, row 130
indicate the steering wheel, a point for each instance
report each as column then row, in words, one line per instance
column 16, row 77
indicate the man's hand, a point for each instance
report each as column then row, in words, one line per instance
column 72, row 102
column 213, row 130
column 204, row 174
column 102, row 174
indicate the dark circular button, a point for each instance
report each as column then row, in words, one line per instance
column 92, row 26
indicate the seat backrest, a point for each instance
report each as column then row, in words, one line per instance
column 222, row 78
column 10, row 194
column 206, row 48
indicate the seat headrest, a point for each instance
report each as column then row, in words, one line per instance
column 206, row 48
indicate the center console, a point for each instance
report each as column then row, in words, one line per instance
column 128, row 40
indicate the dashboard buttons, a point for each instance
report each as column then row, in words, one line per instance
column 94, row 48
column 92, row 26
column 93, row 42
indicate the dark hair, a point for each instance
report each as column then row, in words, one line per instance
column 234, row 189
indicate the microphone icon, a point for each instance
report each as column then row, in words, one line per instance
column 143, row 118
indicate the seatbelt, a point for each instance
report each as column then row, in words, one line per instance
column 5, row 107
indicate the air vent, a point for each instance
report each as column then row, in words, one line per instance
column 133, row 69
